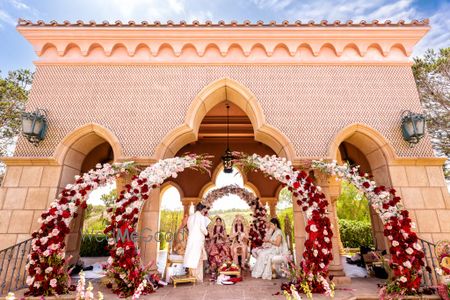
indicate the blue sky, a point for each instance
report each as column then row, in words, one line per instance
column 15, row 52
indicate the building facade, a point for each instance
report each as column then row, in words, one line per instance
column 147, row 91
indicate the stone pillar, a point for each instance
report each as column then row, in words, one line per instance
column 299, row 232
column 148, row 227
column 331, row 189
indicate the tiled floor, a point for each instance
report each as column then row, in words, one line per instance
column 250, row 288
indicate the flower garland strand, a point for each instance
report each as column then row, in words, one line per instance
column 406, row 253
column 124, row 263
column 47, row 264
column 318, row 255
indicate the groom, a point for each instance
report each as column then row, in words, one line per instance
column 195, row 249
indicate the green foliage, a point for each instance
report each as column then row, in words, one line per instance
column 94, row 245
column 432, row 75
column 355, row 233
column 289, row 212
column 95, row 218
column 13, row 95
column 110, row 198
column 351, row 204
column 169, row 221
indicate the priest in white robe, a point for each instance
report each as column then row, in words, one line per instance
column 195, row 249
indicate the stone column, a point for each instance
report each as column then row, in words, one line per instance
column 299, row 232
column 331, row 189
column 148, row 227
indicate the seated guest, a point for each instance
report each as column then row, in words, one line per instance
column 276, row 245
column 180, row 240
column 217, row 246
column 239, row 238
column 269, row 231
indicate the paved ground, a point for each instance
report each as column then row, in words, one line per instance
column 250, row 288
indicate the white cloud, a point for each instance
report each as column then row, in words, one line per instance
column 5, row 18
column 439, row 35
column 19, row 4
column 275, row 5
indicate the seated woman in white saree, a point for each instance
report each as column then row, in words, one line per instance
column 274, row 246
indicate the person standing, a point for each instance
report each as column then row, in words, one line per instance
column 195, row 249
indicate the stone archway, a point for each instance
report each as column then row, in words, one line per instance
column 210, row 96
column 367, row 148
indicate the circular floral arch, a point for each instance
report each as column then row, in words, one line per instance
column 46, row 267
column 259, row 212
column 47, row 264
column 407, row 256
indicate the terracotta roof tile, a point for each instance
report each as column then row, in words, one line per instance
column 233, row 23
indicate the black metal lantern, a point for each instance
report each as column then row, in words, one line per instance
column 413, row 127
column 34, row 125
column 227, row 158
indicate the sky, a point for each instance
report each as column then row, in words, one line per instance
column 16, row 53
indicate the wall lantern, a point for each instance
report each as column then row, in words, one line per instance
column 413, row 127
column 34, row 125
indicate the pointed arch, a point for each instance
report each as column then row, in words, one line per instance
column 94, row 134
column 212, row 95
column 365, row 138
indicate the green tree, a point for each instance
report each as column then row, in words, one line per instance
column 351, row 204
column 432, row 75
column 14, row 90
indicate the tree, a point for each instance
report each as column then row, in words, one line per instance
column 352, row 204
column 14, row 91
column 432, row 75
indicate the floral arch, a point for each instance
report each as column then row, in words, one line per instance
column 46, row 267
column 259, row 213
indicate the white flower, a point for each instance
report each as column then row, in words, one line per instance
column 326, row 239
column 395, row 243
column 403, row 279
column 390, row 237
column 313, row 228
column 409, row 251
column 417, row 246
column 48, row 270
column 315, row 252
column 53, row 283
column 37, row 284
column 55, row 232
column 29, row 280
column 324, row 251
column 407, row 264
column 325, row 232
column 46, row 253
column 322, row 265
column 439, row 271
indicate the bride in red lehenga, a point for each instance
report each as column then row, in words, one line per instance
column 217, row 247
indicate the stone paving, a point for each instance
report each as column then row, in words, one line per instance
column 251, row 289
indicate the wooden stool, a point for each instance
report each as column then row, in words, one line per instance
column 182, row 279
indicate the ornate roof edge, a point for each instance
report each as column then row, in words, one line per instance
column 221, row 23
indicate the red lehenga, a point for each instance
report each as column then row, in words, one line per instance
column 217, row 246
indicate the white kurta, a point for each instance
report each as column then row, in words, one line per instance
column 197, row 225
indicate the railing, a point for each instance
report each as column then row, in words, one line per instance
column 12, row 268
column 429, row 277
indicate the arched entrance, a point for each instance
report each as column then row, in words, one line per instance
column 78, row 153
column 204, row 131
column 360, row 145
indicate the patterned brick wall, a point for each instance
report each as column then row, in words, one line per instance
column 140, row 104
